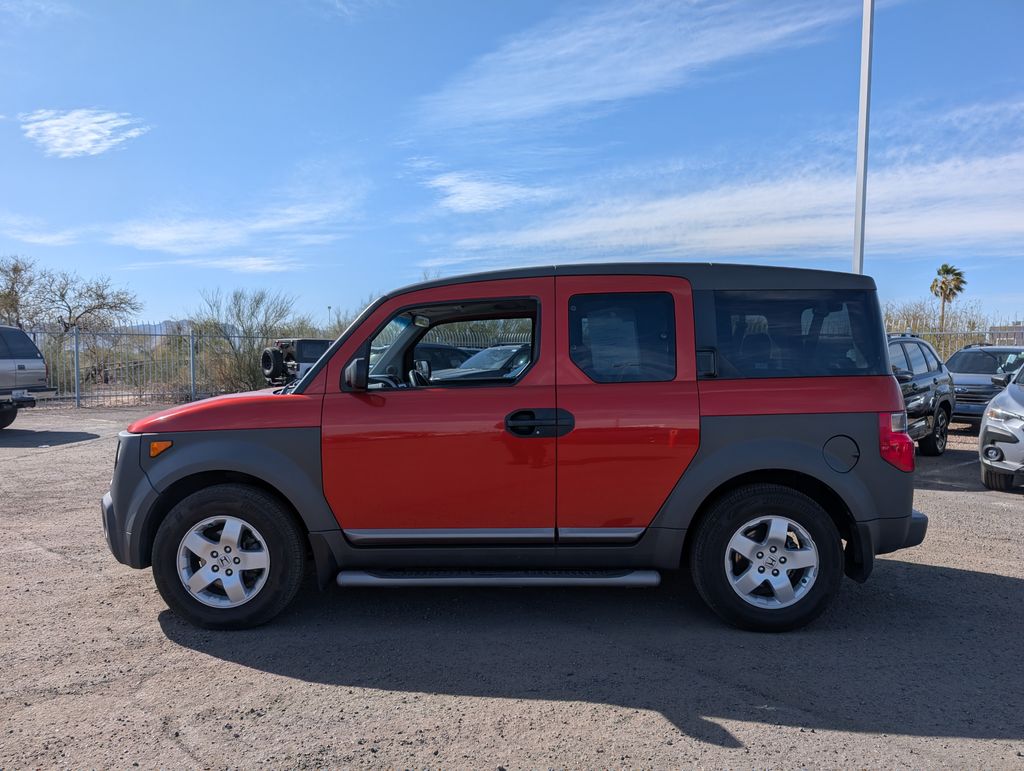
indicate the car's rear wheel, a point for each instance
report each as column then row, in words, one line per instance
column 767, row 558
column 7, row 416
column 935, row 442
column 228, row 557
column 995, row 480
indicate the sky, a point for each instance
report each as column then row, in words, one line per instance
column 338, row 149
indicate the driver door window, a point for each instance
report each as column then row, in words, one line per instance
column 479, row 343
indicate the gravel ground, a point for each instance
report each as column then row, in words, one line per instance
column 921, row 666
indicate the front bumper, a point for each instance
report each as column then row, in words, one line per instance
column 969, row 412
column 123, row 508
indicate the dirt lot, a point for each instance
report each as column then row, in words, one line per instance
column 922, row 666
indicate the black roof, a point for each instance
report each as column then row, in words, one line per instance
column 701, row 275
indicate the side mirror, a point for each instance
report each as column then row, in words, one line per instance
column 423, row 367
column 357, row 375
column 1002, row 380
column 903, row 375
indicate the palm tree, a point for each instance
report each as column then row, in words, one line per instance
column 949, row 283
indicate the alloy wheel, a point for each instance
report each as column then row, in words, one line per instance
column 223, row 561
column 771, row 562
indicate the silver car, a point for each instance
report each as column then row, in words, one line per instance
column 1001, row 446
column 23, row 374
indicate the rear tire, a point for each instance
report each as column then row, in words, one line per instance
column 995, row 480
column 935, row 442
column 744, row 518
column 7, row 416
column 232, row 597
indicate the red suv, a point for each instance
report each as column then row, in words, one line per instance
column 743, row 421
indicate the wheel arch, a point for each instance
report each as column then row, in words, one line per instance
column 181, row 488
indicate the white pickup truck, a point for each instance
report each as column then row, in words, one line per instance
column 23, row 374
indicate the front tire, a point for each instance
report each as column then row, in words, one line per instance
column 767, row 558
column 228, row 557
column 935, row 442
column 7, row 416
column 995, row 480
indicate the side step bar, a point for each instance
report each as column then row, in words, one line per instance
column 391, row 578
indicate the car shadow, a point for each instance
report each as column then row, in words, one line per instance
column 18, row 437
column 918, row 650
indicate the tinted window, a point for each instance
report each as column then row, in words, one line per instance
column 5, row 353
column 623, row 337
column 19, row 344
column 798, row 333
column 933, row 362
column 897, row 358
column 981, row 362
column 917, row 363
column 311, row 350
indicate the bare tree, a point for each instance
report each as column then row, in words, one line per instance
column 67, row 300
column 237, row 326
column 18, row 277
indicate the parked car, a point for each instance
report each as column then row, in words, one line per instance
column 1001, row 446
column 287, row 360
column 497, row 361
column 973, row 368
column 740, row 421
column 927, row 391
column 24, row 375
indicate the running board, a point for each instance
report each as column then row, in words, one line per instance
column 629, row 578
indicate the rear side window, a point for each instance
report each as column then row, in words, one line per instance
column 933, row 362
column 898, row 358
column 798, row 333
column 917, row 363
column 19, row 345
column 623, row 337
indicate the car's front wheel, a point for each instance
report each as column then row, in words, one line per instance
column 7, row 416
column 767, row 558
column 228, row 557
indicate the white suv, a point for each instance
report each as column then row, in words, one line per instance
column 1002, row 434
column 23, row 374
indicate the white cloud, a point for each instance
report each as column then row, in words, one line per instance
column 298, row 222
column 34, row 11
column 620, row 51
column 70, row 133
column 959, row 202
column 465, row 193
column 33, row 231
column 234, row 264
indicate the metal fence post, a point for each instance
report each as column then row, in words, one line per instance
column 192, row 363
column 78, row 376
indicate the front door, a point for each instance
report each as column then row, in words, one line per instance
column 454, row 455
column 626, row 374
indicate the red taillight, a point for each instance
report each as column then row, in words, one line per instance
column 894, row 443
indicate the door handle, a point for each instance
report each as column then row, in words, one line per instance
column 539, row 423
column 21, row 366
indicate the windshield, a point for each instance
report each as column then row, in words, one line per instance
column 489, row 358
column 978, row 361
column 387, row 337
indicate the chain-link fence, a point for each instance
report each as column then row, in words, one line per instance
column 140, row 365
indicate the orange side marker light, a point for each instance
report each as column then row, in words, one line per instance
column 157, row 447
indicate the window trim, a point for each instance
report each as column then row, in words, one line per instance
column 363, row 349
column 674, row 326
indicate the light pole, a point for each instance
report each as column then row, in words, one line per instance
column 866, row 34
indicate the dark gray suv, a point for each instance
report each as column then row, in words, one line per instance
column 23, row 374
column 927, row 387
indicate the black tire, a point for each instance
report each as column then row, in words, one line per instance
column 7, row 416
column 272, row 363
column 936, row 441
column 995, row 480
column 729, row 514
column 285, row 543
